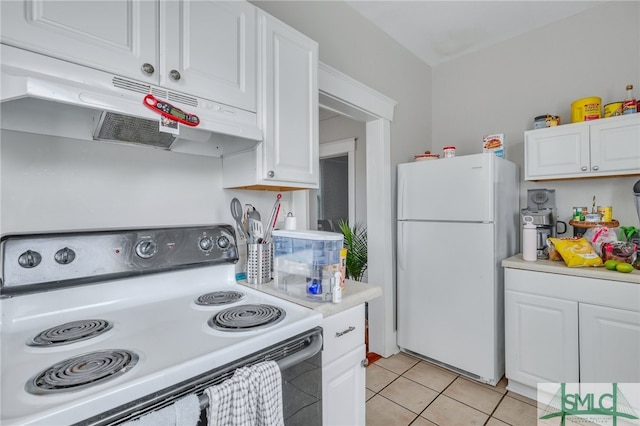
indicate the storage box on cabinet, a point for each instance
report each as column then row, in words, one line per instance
column 597, row 148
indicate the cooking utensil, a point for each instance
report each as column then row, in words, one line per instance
column 236, row 213
column 256, row 230
column 273, row 218
column 255, row 226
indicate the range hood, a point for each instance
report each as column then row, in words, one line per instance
column 43, row 95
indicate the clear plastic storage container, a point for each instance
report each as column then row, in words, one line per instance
column 304, row 262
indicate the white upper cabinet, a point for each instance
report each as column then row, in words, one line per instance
column 116, row 36
column 206, row 48
column 212, row 46
column 605, row 147
column 288, row 156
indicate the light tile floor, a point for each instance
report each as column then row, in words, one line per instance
column 403, row 390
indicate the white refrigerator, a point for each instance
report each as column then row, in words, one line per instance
column 458, row 218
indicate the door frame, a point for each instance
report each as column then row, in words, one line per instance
column 346, row 96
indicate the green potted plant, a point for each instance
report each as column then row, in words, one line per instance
column 355, row 241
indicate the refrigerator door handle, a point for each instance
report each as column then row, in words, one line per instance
column 400, row 255
column 400, row 195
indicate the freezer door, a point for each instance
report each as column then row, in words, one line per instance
column 451, row 189
column 450, row 301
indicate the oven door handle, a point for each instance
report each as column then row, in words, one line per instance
column 314, row 347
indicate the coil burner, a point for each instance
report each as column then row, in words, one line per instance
column 247, row 317
column 82, row 371
column 70, row 332
column 219, row 298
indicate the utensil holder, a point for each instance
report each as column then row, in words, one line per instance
column 259, row 263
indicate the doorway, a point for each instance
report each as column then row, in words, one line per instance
column 347, row 97
column 335, row 199
column 333, row 194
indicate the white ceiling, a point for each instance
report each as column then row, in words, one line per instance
column 438, row 31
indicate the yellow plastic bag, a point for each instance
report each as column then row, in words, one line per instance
column 576, row 253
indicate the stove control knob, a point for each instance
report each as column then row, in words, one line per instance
column 223, row 242
column 206, row 243
column 64, row 256
column 29, row 259
column 146, row 249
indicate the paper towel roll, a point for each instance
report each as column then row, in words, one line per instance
column 290, row 221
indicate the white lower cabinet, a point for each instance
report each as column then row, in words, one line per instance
column 543, row 339
column 343, row 368
column 569, row 329
column 344, row 389
column 609, row 345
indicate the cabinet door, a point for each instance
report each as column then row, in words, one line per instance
column 615, row 146
column 557, row 152
column 116, row 36
column 541, row 339
column 289, row 110
column 609, row 345
column 212, row 45
column 343, row 390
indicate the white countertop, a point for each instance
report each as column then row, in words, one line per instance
column 559, row 267
column 354, row 293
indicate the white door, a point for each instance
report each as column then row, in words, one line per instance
column 453, row 189
column 343, row 390
column 615, row 146
column 449, row 305
column 557, row 151
column 609, row 345
column 115, row 36
column 541, row 339
column 212, row 46
column 290, row 104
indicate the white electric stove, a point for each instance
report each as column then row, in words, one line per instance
column 103, row 327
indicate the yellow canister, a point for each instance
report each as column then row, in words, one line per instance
column 606, row 212
column 585, row 109
column 613, row 109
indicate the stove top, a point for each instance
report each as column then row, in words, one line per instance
column 78, row 350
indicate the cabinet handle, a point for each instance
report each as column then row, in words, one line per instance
column 596, row 168
column 271, row 173
column 175, row 75
column 584, row 168
column 364, row 362
column 148, row 68
column 348, row 330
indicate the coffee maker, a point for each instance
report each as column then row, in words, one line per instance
column 541, row 206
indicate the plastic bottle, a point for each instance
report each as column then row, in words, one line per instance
column 336, row 290
column 343, row 266
column 629, row 105
column 529, row 240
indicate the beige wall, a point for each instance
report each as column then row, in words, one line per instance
column 502, row 88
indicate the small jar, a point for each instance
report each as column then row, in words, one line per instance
column 449, row 152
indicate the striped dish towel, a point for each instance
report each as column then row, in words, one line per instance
column 252, row 397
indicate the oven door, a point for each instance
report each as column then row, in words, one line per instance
column 300, row 362
column 302, row 390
